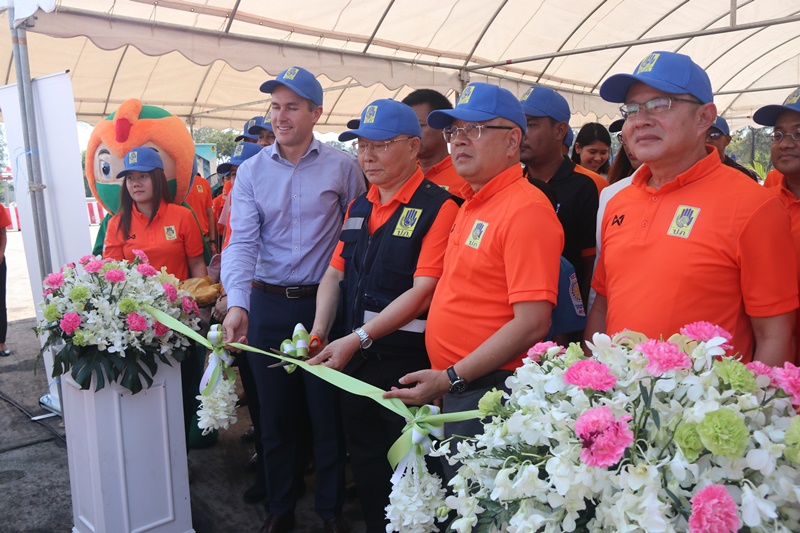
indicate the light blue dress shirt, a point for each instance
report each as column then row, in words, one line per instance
column 286, row 218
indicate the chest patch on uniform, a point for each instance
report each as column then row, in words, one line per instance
column 169, row 233
column 199, row 188
column 476, row 235
column 408, row 221
column 683, row 221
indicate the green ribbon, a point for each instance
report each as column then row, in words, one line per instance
column 296, row 347
column 419, row 420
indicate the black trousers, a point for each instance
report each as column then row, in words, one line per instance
column 370, row 430
column 272, row 319
column 3, row 310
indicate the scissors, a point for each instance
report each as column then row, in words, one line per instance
column 313, row 343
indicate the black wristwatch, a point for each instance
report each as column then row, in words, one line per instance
column 457, row 384
column 364, row 339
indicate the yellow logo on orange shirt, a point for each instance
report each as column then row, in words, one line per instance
column 464, row 98
column 476, row 235
column 683, row 221
column 408, row 221
column 290, row 73
column 199, row 188
column 792, row 98
column 370, row 114
column 647, row 63
column 169, row 233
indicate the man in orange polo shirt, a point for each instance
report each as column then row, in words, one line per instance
column 387, row 262
column 690, row 239
column 434, row 158
column 785, row 121
column 501, row 266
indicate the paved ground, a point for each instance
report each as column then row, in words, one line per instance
column 34, row 479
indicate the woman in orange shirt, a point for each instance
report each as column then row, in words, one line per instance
column 148, row 221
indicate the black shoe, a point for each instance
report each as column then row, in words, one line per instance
column 278, row 524
column 256, row 492
column 335, row 525
column 5, row 353
column 249, row 435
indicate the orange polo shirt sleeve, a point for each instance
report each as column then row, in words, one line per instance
column 445, row 176
column 599, row 181
column 5, row 220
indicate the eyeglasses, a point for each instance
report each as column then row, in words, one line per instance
column 656, row 105
column 618, row 136
column 472, row 131
column 714, row 136
column 382, row 146
column 777, row 136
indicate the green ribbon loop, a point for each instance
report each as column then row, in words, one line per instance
column 421, row 420
column 297, row 346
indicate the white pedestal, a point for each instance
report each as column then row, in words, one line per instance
column 127, row 457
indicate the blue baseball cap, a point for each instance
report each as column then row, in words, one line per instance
column 241, row 153
column 264, row 123
column 665, row 71
column 539, row 101
column 479, row 102
column 299, row 80
column 722, row 125
column 353, row 123
column 616, row 126
column 768, row 115
column 246, row 134
column 384, row 119
column 143, row 159
column 569, row 138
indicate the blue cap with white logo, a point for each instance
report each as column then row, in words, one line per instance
column 246, row 134
column 241, row 153
column 265, row 123
column 540, row 101
column 664, row 71
column 143, row 159
column 722, row 125
column 385, row 119
column 768, row 115
column 479, row 102
column 300, row 81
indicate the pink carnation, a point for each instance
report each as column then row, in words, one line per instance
column 47, row 292
column 70, row 322
column 713, row 511
column 141, row 255
column 540, row 348
column 136, row 322
column 146, row 270
column 760, row 368
column 590, row 374
column 54, row 280
column 663, row 356
column 170, row 291
column 788, row 378
column 94, row 266
column 705, row 331
column 160, row 329
column 85, row 259
column 70, row 265
column 189, row 306
column 604, row 438
column 115, row 275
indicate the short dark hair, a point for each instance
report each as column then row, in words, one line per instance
column 435, row 99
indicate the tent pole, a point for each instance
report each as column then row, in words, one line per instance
column 19, row 42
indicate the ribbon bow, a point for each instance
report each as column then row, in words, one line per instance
column 219, row 361
column 421, row 422
column 296, row 347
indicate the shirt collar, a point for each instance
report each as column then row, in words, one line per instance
column 699, row 170
column 275, row 153
column 403, row 194
column 439, row 167
column 495, row 185
column 140, row 216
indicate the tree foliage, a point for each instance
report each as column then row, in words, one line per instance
column 223, row 139
column 751, row 148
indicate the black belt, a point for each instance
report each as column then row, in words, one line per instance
column 297, row 291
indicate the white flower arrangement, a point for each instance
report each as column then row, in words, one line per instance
column 96, row 309
column 646, row 435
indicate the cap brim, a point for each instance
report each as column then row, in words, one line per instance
column 532, row 111
column 353, row 124
column 616, row 126
column 373, row 134
column 224, row 168
column 255, row 129
column 616, row 88
column 138, row 168
column 768, row 115
column 444, row 117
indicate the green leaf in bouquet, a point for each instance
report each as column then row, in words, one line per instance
column 645, row 395
column 656, row 419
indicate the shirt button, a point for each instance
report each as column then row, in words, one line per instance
column 295, row 248
column 295, row 171
column 294, row 271
column 655, row 198
column 295, row 196
column 295, row 222
column 644, row 223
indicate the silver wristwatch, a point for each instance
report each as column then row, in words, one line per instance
column 364, row 337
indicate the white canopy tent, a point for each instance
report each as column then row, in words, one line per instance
column 204, row 59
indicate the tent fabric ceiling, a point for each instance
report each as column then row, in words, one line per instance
column 205, row 59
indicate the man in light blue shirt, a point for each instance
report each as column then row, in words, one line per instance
column 286, row 214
